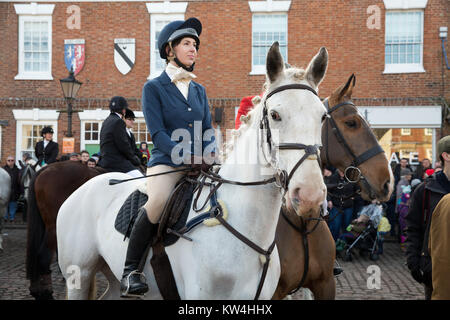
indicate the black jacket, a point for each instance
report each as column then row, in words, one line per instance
column 116, row 153
column 338, row 189
column 423, row 201
column 132, row 140
column 15, row 182
column 49, row 154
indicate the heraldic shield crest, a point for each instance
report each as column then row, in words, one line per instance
column 124, row 54
column 74, row 54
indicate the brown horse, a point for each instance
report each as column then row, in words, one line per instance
column 309, row 237
column 50, row 187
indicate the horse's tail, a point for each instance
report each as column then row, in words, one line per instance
column 38, row 256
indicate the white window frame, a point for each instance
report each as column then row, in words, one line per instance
column 96, row 115
column 33, row 116
column 405, row 131
column 83, row 140
column 162, row 11
column 428, row 131
column 141, row 120
column 268, row 7
column 33, row 12
column 19, row 133
column 405, row 6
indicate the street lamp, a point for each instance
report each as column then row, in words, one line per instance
column 70, row 87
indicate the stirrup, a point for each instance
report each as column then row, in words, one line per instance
column 132, row 295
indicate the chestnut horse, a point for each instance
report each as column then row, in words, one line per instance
column 306, row 248
column 48, row 189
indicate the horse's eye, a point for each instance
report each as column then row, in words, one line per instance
column 350, row 123
column 275, row 116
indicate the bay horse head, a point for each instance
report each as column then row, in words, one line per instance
column 293, row 112
column 351, row 146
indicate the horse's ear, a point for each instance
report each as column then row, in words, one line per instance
column 347, row 90
column 274, row 62
column 315, row 72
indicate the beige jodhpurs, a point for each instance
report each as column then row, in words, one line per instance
column 159, row 189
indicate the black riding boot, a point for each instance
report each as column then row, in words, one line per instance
column 140, row 237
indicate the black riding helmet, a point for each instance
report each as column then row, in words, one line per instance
column 46, row 130
column 175, row 30
column 117, row 104
column 129, row 114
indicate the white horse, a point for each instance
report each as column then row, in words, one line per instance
column 5, row 191
column 216, row 264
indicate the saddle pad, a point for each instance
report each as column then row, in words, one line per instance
column 128, row 212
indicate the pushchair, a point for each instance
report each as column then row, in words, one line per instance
column 362, row 234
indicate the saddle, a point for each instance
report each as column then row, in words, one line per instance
column 171, row 227
column 173, row 218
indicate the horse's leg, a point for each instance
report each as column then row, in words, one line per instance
column 113, row 290
column 80, row 289
column 324, row 289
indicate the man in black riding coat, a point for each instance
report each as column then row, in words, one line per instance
column 116, row 153
column 129, row 121
column 46, row 150
column 423, row 201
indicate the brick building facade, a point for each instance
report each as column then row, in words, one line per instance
column 357, row 34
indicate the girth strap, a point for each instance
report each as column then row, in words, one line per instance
column 252, row 245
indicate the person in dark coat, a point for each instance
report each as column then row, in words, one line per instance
column 423, row 202
column 340, row 198
column 421, row 169
column 116, row 153
column 46, row 150
column 13, row 172
column 129, row 121
column 173, row 104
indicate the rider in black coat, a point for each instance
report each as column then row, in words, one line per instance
column 46, row 150
column 116, row 153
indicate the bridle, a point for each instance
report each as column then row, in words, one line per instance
column 311, row 151
column 356, row 160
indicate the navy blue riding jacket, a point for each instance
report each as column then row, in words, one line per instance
column 166, row 109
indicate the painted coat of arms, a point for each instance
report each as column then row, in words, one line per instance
column 74, row 54
column 124, row 54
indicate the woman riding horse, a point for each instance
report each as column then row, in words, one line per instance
column 171, row 101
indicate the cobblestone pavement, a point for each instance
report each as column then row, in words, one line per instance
column 396, row 282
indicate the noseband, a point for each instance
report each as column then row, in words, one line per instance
column 356, row 160
column 282, row 178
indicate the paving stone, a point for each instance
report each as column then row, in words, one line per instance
column 396, row 281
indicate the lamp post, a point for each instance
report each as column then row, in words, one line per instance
column 70, row 87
